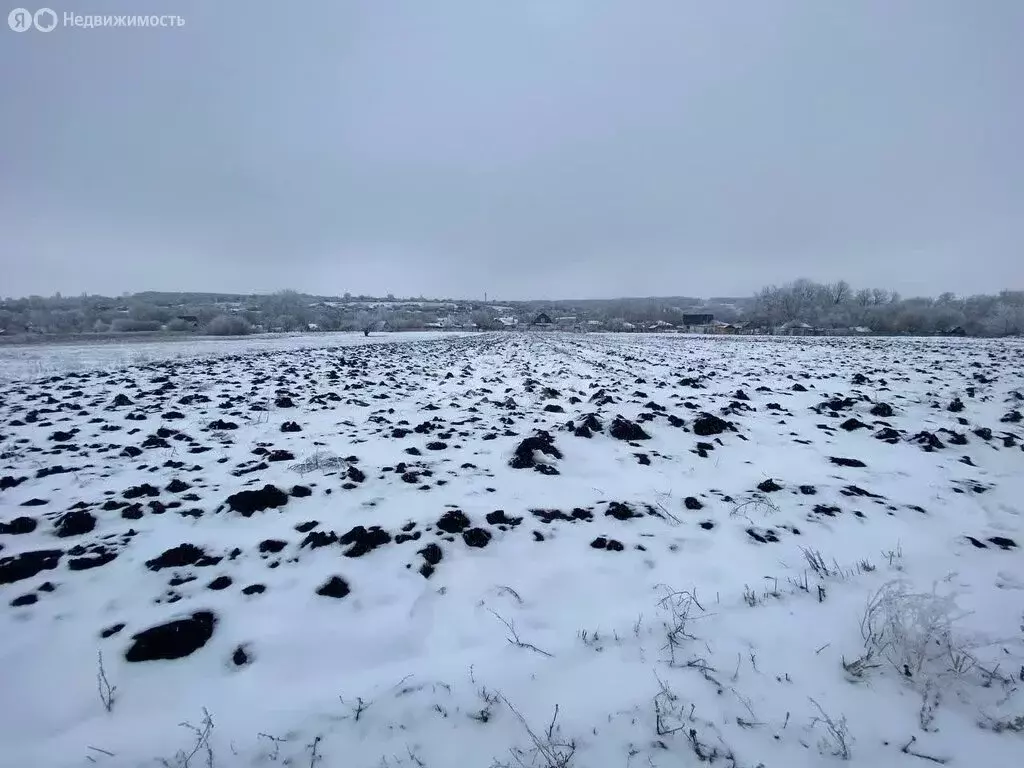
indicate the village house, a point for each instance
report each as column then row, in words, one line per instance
column 542, row 321
column 697, row 323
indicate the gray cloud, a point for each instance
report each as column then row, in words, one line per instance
column 579, row 148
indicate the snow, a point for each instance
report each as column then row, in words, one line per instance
column 413, row 671
column 19, row 361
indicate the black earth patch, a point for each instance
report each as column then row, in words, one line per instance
column 248, row 502
column 1003, row 543
column 763, row 537
column 498, row 517
column 839, row 461
column 547, row 516
column 335, row 587
column 94, row 560
column 541, row 442
column 7, row 481
column 28, row 564
column 317, row 539
column 181, row 556
column 888, row 435
column 241, row 656
column 74, row 523
column 19, row 526
column 708, row 424
column 621, row 511
column 173, row 640
column 111, row 631
column 139, row 491
column 432, row 554
column 624, row 429
column 453, row 521
column 476, row 537
column 221, row 582
column 364, row 540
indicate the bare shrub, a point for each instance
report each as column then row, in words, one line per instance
column 669, row 713
column 320, row 461
column 1012, row 724
column 201, row 747
column 228, row 325
column 915, row 633
column 107, row 691
column 837, row 738
column 678, row 606
column 759, row 504
column 550, row 749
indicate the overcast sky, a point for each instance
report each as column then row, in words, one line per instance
column 523, row 148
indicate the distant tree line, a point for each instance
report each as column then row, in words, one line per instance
column 838, row 305
column 214, row 314
column 823, row 305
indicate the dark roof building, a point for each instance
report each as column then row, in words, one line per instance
column 698, row 319
column 542, row 319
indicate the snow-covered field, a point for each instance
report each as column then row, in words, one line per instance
column 369, row 556
column 19, row 361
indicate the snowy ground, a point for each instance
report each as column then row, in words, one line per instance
column 368, row 556
column 20, row 361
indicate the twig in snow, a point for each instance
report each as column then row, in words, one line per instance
column 668, row 716
column 906, row 749
column 555, row 752
column 183, row 759
column 489, row 699
column 509, row 590
column 838, row 733
column 668, row 514
column 817, row 562
column 107, row 691
column 314, row 754
column 360, row 707
column 276, row 741
column 514, row 639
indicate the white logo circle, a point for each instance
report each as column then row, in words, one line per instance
column 45, row 20
column 20, row 20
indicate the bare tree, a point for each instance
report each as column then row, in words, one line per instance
column 839, row 292
column 484, row 320
column 369, row 321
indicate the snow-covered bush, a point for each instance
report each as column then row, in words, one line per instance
column 229, row 325
column 916, row 633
